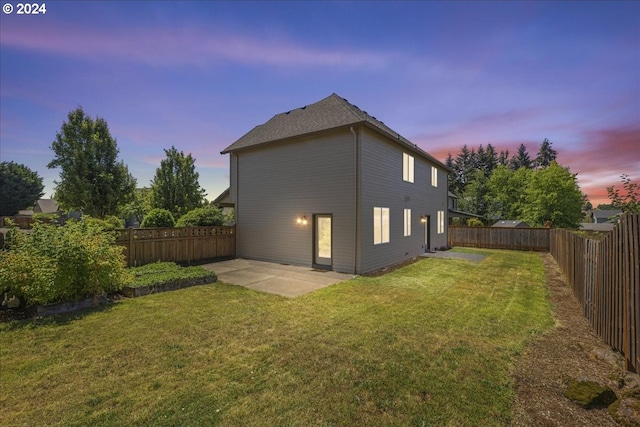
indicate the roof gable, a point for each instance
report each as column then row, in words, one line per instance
column 331, row 112
column 47, row 206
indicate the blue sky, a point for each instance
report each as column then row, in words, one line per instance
column 199, row 75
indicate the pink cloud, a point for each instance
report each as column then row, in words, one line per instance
column 603, row 156
column 190, row 46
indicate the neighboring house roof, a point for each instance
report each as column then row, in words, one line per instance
column 332, row 112
column 591, row 226
column 450, row 194
column 603, row 215
column 510, row 224
column 224, row 199
column 453, row 213
column 25, row 212
column 46, row 206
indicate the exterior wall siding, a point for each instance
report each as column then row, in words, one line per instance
column 278, row 183
column 382, row 186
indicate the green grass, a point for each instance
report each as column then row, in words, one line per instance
column 165, row 272
column 429, row 344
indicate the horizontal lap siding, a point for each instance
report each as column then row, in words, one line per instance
column 280, row 182
column 382, row 186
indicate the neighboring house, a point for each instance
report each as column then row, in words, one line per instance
column 600, row 216
column 594, row 226
column 453, row 209
column 511, row 224
column 331, row 187
column 223, row 201
column 46, row 206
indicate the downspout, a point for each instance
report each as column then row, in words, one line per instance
column 356, row 167
column 237, row 201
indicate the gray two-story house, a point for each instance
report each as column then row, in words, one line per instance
column 331, row 187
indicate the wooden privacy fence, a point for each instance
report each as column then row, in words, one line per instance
column 521, row 239
column 182, row 244
column 605, row 278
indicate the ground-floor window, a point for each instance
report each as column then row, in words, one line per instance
column 380, row 225
column 407, row 222
column 440, row 222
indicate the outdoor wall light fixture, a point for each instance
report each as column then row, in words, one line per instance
column 302, row 220
column 423, row 219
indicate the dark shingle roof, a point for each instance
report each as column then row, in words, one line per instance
column 330, row 113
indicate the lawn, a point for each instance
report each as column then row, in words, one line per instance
column 432, row 343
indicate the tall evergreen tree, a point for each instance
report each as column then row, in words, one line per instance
column 503, row 159
column 175, row 185
column 521, row 159
column 92, row 180
column 546, row 155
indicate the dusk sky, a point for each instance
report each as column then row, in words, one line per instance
column 199, row 75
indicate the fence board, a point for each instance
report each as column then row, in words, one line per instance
column 183, row 244
column 605, row 278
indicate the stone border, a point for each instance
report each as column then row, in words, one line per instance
column 64, row 307
column 132, row 292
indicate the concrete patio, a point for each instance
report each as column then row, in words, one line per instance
column 280, row 279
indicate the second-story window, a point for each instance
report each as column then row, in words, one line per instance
column 407, row 167
column 434, row 176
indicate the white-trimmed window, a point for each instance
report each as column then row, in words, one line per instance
column 407, row 222
column 407, row 167
column 434, row 176
column 440, row 222
column 380, row 225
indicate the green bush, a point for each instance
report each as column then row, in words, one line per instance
column 46, row 217
column 165, row 272
column 474, row 222
column 158, row 218
column 209, row 215
column 53, row 264
column 110, row 222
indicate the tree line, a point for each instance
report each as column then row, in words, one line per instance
column 96, row 183
column 488, row 183
column 496, row 186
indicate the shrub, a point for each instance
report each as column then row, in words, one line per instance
column 209, row 215
column 158, row 218
column 474, row 222
column 110, row 222
column 165, row 272
column 52, row 264
column 46, row 217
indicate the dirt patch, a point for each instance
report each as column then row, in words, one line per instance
column 570, row 350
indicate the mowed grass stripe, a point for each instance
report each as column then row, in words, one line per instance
column 432, row 343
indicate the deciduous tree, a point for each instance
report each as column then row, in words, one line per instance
column 629, row 199
column 92, row 180
column 553, row 196
column 175, row 185
column 20, row 188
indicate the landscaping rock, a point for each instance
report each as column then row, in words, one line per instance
column 626, row 410
column 589, row 394
column 66, row 307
